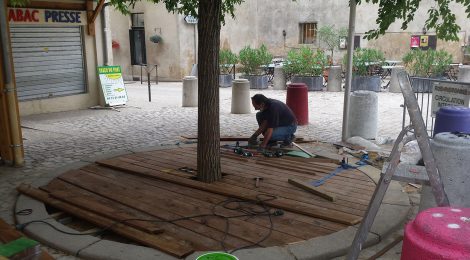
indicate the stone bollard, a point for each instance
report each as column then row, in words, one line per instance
column 189, row 91
column 363, row 114
column 241, row 100
column 464, row 73
column 394, row 87
column 279, row 80
column 452, row 155
column 334, row 79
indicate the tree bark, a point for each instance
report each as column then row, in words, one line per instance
column 208, row 147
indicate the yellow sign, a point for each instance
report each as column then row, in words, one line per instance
column 424, row 41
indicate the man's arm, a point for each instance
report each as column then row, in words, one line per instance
column 267, row 136
column 261, row 129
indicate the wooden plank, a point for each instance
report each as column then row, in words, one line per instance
column 202, row 237
column 88, row 203
column 8, row 233
column 271, row 185
column 341, row 185
column 351, row 193
column 97, row 10
column 227, row 190
column 312, row 189
column 167, row 201
column 168, row 244
column 286, row 223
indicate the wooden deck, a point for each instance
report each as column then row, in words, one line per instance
column 184, row 215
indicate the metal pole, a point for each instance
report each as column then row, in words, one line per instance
column 195, row 44
column 10, row 87
column 141, row 74
column 150, row 91
column 347, row 89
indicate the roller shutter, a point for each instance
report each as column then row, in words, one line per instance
column 48, row 61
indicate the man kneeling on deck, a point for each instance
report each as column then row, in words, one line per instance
column 275, row 120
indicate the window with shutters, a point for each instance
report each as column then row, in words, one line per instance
column 308, row 33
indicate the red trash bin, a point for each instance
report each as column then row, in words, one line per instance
column 297, row 101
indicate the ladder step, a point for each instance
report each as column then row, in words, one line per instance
column 409, row 173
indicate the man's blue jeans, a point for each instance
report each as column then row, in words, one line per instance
column 284, row 133
column 281, row 133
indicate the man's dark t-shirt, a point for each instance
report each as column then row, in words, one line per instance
column 277, row 114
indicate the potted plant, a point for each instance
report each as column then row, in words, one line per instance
column 306, row 66
column 367, row 65
column 422, row 64
column 156, row 38
column 227, row 61
column 254, row 63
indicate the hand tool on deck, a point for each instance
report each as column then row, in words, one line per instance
column 257, row 179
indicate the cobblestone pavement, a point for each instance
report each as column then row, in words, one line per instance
column 56, row 139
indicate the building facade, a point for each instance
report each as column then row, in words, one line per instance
column 281, row 25
column 55, row 57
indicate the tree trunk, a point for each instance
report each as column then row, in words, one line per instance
column 208, row 147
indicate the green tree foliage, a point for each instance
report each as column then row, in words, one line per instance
column 365, row 60
column 440, row 16
column 186, row 7
column 429, row 63
column 305, row 62
column 252, row 59
column 226, row 60
column 330, row 37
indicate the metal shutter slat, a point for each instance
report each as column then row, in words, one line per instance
column 48, row 61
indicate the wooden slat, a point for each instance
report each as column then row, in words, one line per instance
column 353, row 193
column 168, row 244
column 88, row 203
column 312, row 189
column 238, row 177
column 202, row 237
column 167, row 201
column 226, row 190
column 290, row 225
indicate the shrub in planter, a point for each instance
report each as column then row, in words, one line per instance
column 252, row 61
column 306, row 66
column 366, row 62
column 426, row 64
column 227, row 61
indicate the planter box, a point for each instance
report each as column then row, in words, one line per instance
column 225, row 80
column 423, row 85
column 257, row 82
column 313, row 83
column 371, row 83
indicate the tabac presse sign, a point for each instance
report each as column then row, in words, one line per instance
column 112, row 85
column 449, row 94
column 46, row 16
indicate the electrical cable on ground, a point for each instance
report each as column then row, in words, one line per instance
column 243, row 206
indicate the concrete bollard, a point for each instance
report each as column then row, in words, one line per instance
column 334, row 79
column 241, row 100
column 279, row 80
column 189, row 91
column 363, row 114
column 394, row 87
column 452, row 155
column 464, row 73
